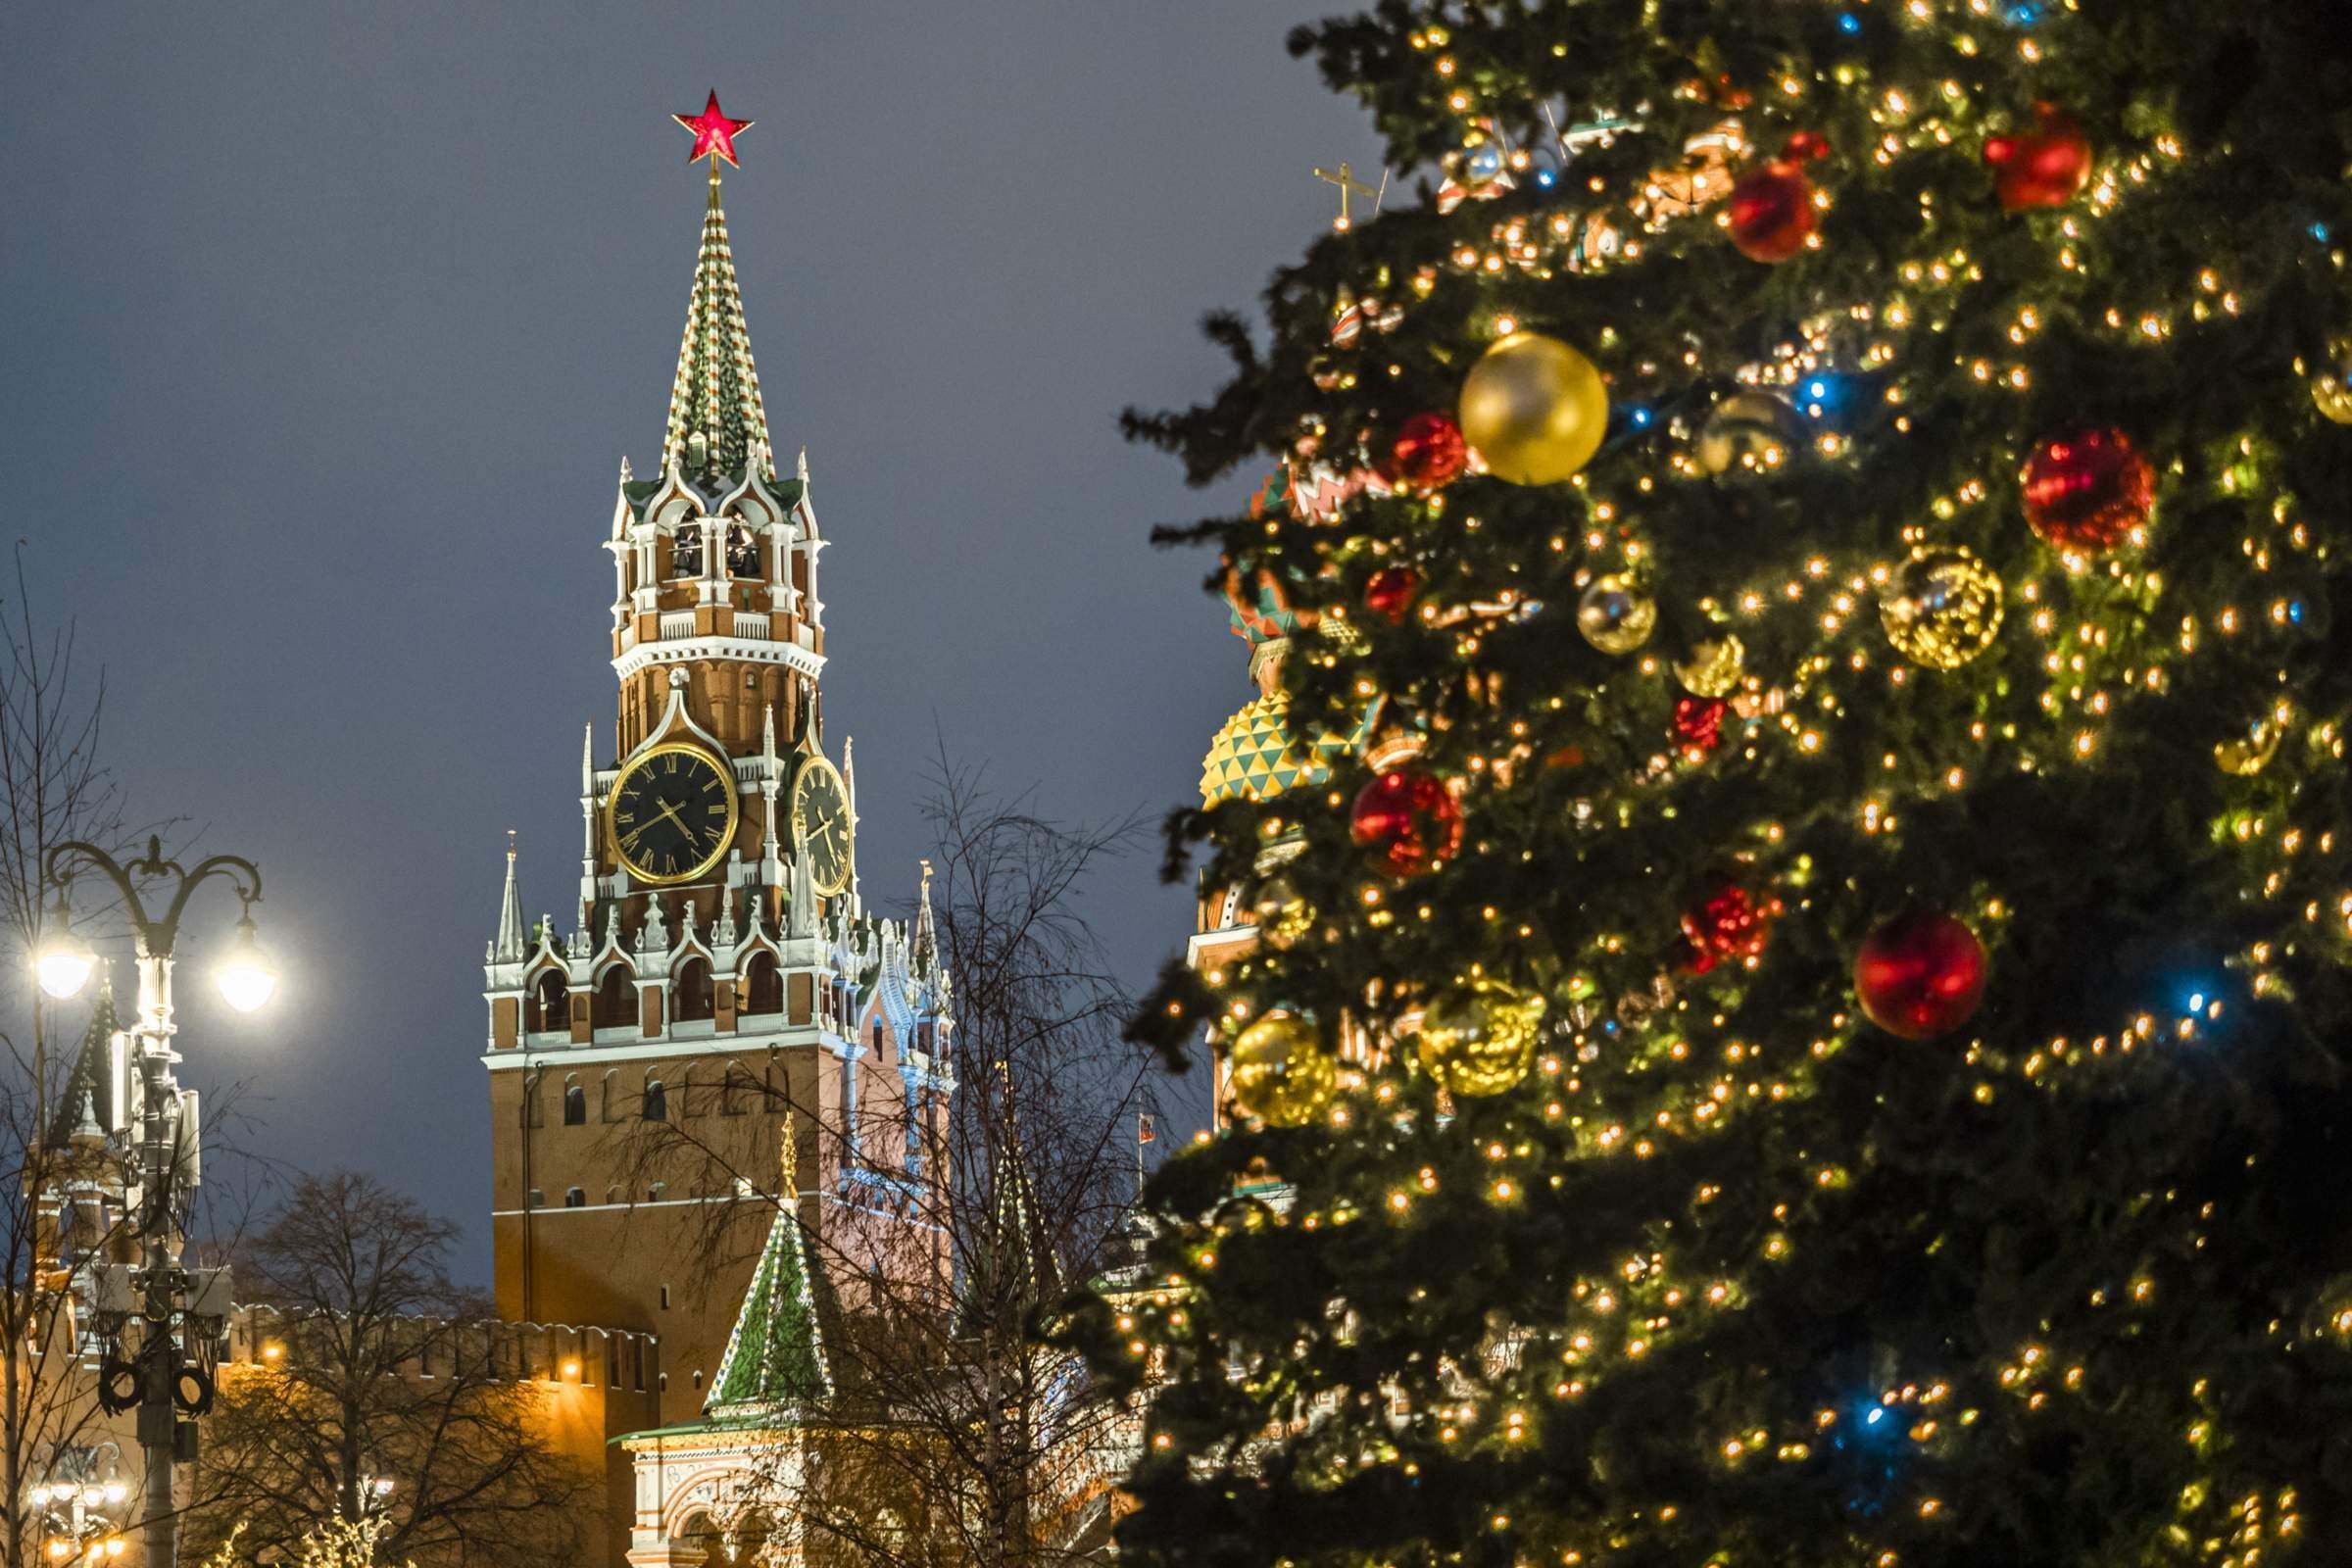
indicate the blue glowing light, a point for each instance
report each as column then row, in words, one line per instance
column 2196, row 1001
column 1641, row 418
column 1545, row 178
column 2024, row 14
column 1878, row 1414
column 1817, row 389
column 1848, row 24
column 2295, row 610
column 2319, row 232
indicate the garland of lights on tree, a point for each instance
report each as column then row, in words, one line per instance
column 1810, row 1024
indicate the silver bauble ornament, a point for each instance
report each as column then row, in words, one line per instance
column 1753, row 428
column 1614, row 615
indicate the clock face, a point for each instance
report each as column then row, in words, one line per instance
column 672, row 813
column 820, row 824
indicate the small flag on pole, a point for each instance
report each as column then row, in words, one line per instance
column 1144, row 1130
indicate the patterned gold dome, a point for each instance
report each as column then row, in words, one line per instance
column 1253, row 756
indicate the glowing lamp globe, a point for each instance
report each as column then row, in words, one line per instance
column 247, row 977
column 64, row 963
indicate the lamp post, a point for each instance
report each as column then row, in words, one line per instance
column 77, row 1497
column 247, row 978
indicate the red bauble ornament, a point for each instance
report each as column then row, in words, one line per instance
column 2047, row 167
column 1697, row 725
column 2087, row 490
column 1408, row 820
column 1391, row 593
column 1427, row 454
column 1920, row 975
column 1730, row 922
column 1771, row 211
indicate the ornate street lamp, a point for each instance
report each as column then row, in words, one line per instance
column 163, row 1381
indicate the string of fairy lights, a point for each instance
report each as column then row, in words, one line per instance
column 1588, row 1051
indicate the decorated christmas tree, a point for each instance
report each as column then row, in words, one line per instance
column 1806, row 1022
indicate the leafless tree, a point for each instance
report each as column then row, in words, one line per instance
column 381, row 1367
column 954, row 1435
column 53, row 787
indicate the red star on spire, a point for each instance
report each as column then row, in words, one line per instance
column 713, row 132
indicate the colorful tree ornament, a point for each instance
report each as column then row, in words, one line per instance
column 1698, row 726
column 2089, row 490
column 1702, row 177
column 1614, row 615
column 1428, row 452
column 2248, row 754
column 1391, row 592
column 1770, row 211
column 1920, row 975
column 1479, row 1038
column 2046, row 166
column 1713, row 667
column 1751, row 429
column 1346, row 318
column 1279, row 1071
column 1535, row 409
column 1410, row 822
column 1280, row 911
column 2330, row 381
column 1728, row 924
column 1942, row 608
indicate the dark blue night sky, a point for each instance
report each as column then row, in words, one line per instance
column 329, row 326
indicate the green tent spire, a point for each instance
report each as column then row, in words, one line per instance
column 775, row 1358
column 715, row 393
column 87, row 1100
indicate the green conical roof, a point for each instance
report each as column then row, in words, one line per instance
column 775, row 1358
column 88, row 1089
column 1014, row 1267
column 715, row 393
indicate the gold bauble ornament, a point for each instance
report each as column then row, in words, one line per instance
column 1714, row 667
column 1535, row 409
column 2249, row 754
column 1614, row 615
column 1279, row 1071
column 1943, row 607
column 1753, row 428
column 1479, row 1038
column 1280, row 913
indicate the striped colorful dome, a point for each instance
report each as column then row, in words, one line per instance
column 1253, row 756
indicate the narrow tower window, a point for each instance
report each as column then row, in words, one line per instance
column 690, row 991
column 575, row 1104
column 763, row 985
column 551, row 1002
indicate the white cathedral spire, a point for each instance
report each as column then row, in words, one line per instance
column 800, row 918
column 508, row 949
column 923, row 946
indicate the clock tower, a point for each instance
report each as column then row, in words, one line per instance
column 718, row 973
